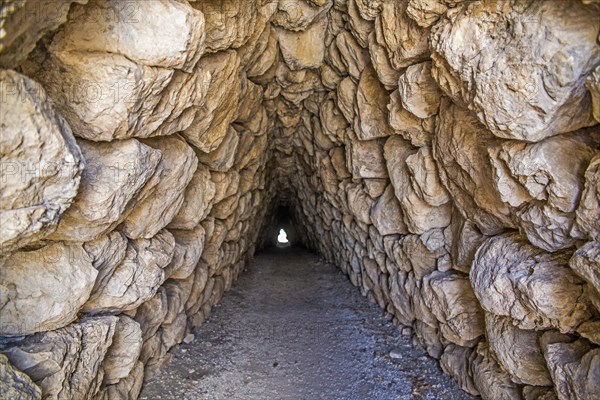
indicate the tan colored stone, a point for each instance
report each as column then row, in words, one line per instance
column 212, row 119
column 162, row 198
column 197, row 202
column 22, row 31
column 517, row 351
column 386, row 214
column 523, row 82
column 124, row 351
column 405, row 41
column 115, row 173
column 66, row 363
column 371, row 100
column 41, row 163
column 451, row 299
column 172, row 38
column 304, row 49
column 137, row 278
column 44, row 289
column 536, row 289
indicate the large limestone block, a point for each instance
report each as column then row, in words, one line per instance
column 520, row 67
column 360, row 26
column 455, row 362
column 229, row 23
column 586, row 263
column 212, row 119
column 460, row 148
column 575, row 367
column 41, row 163
column 137, row 278
column 536, row 289
column 386, row 214
column 366, row 158
column 451, row 299
column 352, row 55
column 359, row 203
column 124, row 351
column 333, row 125
column 491, row 381
column 106, row 253
column 22, row 32
column 427, row 12
column 418, row 92
column 424, row 178
column 298, row 15
column 542, row 184
column 368, row 9
column 100, row 94
column 464, row 239
column 587, row 223
column 158, row 33
column 405, row 41
column 14, row 384
column 44, row 289
column 226, row 184
column 419, row 216
column 251, row 51
column 126, row 388
column 371, row 120
column 381, row 62
column 404, row 123
column 191, row 244
column 223, row 157
column 346, row 98
column 160, row 203
column 115, row 173
column 66, row 363
column 265, row 59
column 152, row 313
column 197, row 202
column 305, row 49
column 517, row 351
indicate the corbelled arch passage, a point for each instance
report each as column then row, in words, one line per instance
column 444, row 154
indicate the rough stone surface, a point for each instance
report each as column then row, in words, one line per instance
column 503, row 75
column 41, row 163
column 573, row 366
column 517, row 351
column 21, row 31
column 15, row 384
column 124, row 351
column 164, row 196
column 44, row 289
column 136, row 278
column 443, row 154
column 537, row 290
column 115, row 174
column 66, row 363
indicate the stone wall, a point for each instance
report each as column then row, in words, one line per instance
column 445, row 154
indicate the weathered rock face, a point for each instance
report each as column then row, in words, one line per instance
column 444, row 154
column 15, row 384
column 44, row 289
column 41, row 163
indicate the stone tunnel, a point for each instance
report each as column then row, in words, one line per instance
column 443, row 154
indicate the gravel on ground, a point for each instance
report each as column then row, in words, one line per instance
column 294, row 328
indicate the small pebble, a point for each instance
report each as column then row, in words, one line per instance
column 395, row 354
column 189, row 338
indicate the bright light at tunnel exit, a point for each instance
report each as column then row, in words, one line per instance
column 282, row 238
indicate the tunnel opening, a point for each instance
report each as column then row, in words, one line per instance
column 421, row 147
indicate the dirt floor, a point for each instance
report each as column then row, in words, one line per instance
column 294, row 328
